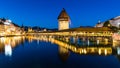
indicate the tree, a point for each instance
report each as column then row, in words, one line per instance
column 107, row 24
column 115, row 29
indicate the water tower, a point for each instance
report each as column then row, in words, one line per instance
column 63, row 20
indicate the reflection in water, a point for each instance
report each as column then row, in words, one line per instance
column 37, row 41
column 8, row 50
column 63, row 53
column 88, row 42
column 44, row 54
column 118, row 50
column 116, row 43
column 98, row 42
column 102, row 50
column 8, row 43
column 64, row 47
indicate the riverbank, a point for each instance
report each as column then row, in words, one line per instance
column 12, row 35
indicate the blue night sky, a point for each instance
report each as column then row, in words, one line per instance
column 44, row 13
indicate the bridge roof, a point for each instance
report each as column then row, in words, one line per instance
column 82, row 29
column 87, row 29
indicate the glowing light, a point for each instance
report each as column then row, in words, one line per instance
column 105, row 52
column 97, row 41
column 88, row 42
column 85, row 51
column 80, row 50
column 8, row 50
column 118, row 50
column 6, row 23
column 99, row 51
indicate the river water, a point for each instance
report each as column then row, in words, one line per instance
column 28, row 52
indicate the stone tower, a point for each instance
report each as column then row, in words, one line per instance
column 63, row 20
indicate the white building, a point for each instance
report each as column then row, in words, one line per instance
column 9, row 28
column 114, row 22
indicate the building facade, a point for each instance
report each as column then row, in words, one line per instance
column 9, row 28
column 114, row 22
column 63, row 20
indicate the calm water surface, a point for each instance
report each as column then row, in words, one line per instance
column 21, row 52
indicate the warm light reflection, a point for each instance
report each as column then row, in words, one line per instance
column 118, row 50
column 8, row 50
column 63, row 53
column 80, row 50
column 88, row 42
column 98, row 42
column 8, row 43
column 116, row 43
column 99, row 52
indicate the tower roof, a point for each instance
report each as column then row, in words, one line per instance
column 63, row 15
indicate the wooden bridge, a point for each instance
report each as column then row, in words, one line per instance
column 101, row 32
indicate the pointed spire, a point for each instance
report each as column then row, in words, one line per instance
column 63, row 15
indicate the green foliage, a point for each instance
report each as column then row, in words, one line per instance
column 118, row 31
column 107, row 24
column 115, row 29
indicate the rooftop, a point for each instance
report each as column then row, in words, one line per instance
column 88, row 29
column 63, row 15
